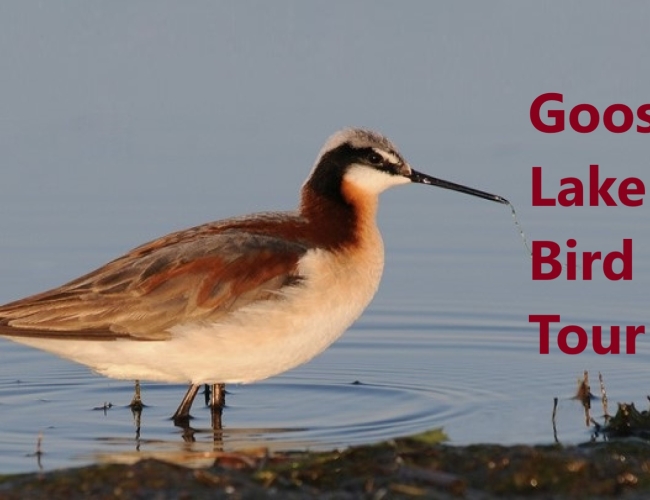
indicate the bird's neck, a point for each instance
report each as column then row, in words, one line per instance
column 341, row 221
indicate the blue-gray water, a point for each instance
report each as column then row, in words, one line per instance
column 120, row 124
column 446, row 343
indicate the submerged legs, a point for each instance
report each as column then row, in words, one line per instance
column 182, row 414
column 217, row 401
column 218, row 396
column 136, row 402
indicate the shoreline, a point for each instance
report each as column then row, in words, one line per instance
column 419, row 466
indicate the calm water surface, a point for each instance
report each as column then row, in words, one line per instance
column 446, row 343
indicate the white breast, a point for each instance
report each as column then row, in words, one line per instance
column 274, row 336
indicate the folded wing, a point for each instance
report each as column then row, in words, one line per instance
column 141, row 295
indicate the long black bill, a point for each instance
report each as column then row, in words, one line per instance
column 421, row 178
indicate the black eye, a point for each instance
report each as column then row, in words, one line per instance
column 375, row 158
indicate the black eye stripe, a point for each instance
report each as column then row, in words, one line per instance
column 375, row 158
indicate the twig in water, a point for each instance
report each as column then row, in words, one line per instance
column 39, row 451
column 553, row 420
column 584, row 395
column 603, row 397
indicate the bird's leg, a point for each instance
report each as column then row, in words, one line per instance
column 182, row 414
column 218, row 396
column 206, row 394
column 217, row 400
column 136, row 402
column 137, row 420
column 217, row 403
column 136, row 406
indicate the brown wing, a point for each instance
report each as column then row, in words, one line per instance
column 197, row 277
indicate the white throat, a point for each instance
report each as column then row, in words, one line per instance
column 372, row 180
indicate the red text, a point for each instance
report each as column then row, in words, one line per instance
column 617, row 118
column 630, row 191
column 545, row 253
column 600, row 345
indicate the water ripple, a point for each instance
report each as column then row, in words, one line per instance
column 477, row 375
